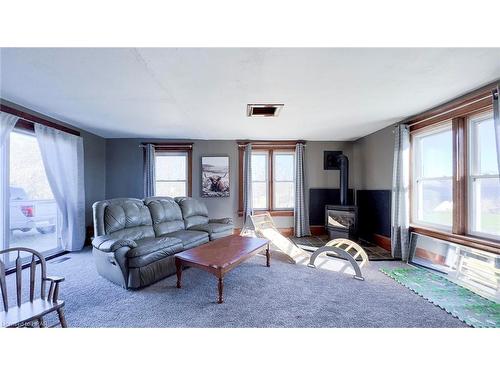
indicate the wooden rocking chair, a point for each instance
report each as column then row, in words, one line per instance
column 26, row 314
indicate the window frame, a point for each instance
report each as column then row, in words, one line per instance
column 271, row 147
column 416, row 176
column 266, row 180
column 173, row 153
column 274, row 181
column 473, row 174
column 178, row 148
column 458, row 111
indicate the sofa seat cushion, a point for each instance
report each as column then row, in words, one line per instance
column 213, row 228
column 150, row 250
column 189, row 238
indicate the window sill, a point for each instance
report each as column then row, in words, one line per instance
column 475, row 242
column 272, row 212
column 431, row 226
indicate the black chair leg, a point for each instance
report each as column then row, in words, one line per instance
column 62, row 318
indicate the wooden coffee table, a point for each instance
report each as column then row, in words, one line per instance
column 221, row 256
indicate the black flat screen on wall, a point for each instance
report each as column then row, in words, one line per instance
column 319, row 198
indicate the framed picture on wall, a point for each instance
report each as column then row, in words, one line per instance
column 214, row 176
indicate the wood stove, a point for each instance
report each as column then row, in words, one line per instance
column 341, row 221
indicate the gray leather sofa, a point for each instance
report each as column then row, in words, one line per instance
column 136, row 240
column 195, row 216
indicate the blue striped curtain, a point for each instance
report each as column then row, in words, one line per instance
column 300, row 217
column 247, row 182
column 400, row 211
column 149, row 171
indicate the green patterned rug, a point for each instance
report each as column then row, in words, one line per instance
column 463, row 304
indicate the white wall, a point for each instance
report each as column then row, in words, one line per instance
column 373, row 160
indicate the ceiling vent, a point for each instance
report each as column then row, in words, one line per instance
column 264, row 110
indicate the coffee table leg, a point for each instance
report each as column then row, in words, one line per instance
column 178, row 265
column 268, row 257
column 221, row 290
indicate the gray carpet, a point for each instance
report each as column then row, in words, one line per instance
column 283, row 295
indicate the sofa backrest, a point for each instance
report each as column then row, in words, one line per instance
column 166, row 215
column 122, row 218
column 194, row 211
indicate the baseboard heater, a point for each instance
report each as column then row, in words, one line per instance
column 471, row 268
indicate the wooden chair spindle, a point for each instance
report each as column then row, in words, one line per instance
column 19, row 277
column 51, row 291
column 32, row 278
column 3, row 287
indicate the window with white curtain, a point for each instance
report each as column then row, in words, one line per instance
column 483, row 178
column 432, row 177
column 33, row 216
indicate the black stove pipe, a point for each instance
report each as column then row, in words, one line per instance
column 344, row 178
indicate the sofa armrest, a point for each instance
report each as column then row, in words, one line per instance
column 226, row 220
column 108, row 244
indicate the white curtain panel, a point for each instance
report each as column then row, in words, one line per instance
column 300, row 215
column 62, row 156
column 496, row 118
column 149, row 171
column 247, row 182
column 400, row 194
column 7, row 123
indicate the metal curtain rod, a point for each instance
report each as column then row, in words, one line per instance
column 167, row 145
column 451, row 110
column 270, row 143
column 27, row 121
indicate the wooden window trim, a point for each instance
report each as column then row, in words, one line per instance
column 456, row 107
column 272, row 155
column 269, row 146
column 186, row 147
column 458, row 111
column 460, row 158
column 27, row 121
